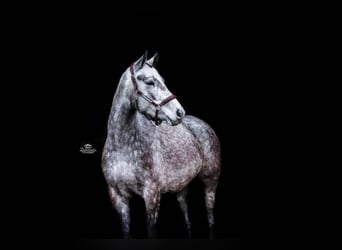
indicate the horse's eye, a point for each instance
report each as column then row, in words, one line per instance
column 150, row 83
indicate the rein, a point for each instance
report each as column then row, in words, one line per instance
column 148, row 99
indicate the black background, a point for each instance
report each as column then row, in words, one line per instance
column 243, row 69
column 226, row 65
column 256, row 73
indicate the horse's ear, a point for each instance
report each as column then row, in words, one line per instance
column 153, row 60
column 140, row 62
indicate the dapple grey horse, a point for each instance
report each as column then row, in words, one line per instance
column 152, row 147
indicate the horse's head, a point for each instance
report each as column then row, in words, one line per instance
column 151, row 96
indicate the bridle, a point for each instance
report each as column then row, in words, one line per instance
column 148, row 99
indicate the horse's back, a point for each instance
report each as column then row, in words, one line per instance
column 209, row 143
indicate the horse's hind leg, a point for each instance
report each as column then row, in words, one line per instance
column 182, row 200
column 121, row 204
column 209, row 195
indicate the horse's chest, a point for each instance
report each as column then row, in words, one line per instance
column 124, row 171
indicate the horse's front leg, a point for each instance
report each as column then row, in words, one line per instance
column 152, row 203
column 182, row 200
column 121, row 204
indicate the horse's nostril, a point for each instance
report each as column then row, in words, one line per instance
column 179, row 113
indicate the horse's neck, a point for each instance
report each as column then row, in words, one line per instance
column 125, row 122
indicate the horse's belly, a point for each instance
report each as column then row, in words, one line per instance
column 174, row 181
column 177, row 160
